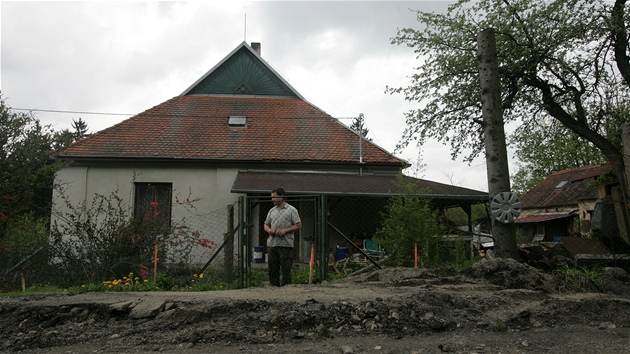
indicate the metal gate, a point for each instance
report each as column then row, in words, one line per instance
column 328, row 222
column 252, row 238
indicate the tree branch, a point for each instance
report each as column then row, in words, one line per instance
column 620, row 39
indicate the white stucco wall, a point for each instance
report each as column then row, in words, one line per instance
column 210, row 188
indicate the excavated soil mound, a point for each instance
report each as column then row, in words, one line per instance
column 498, row 306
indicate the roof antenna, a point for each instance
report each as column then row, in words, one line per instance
column 245, row 30
column 360, row 133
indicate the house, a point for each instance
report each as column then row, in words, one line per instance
column 563, row 203
column 232, row 136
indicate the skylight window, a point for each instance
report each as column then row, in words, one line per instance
column 561, row 184
column 237, row 121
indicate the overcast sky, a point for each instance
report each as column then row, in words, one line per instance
column 125, row 57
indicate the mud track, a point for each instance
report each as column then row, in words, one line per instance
column 494, row 307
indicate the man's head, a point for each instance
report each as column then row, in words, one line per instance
column 277, row 196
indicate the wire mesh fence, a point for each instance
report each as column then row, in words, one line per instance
column 198, row 250
column 361, row 235
column 279, row 265
column 226, row 248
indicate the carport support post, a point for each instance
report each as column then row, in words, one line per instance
column 323, row 237
column 504, row 234
column 467, row 207
column 228, row 255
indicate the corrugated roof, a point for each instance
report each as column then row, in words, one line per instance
column 343, row 183
column 579, row 245
column 581, row 185
column 540, row 218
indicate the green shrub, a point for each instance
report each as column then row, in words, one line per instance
column 408, row 220
column 104, row 240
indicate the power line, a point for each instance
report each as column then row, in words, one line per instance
column 73, row 112
column 124, row 114
column 149, row 114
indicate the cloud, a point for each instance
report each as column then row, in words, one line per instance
column 126, row 57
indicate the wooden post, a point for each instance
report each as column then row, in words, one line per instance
column 504, row 234
column 415, row 255
column 228, row 241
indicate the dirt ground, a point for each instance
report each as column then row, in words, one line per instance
column 497, row 306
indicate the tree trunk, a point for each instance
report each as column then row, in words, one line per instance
column 504, row 234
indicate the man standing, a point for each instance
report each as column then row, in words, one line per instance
column 281, row 223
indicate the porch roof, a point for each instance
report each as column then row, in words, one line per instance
column 330, row 183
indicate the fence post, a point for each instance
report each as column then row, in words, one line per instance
column 155, row 262
column 311, row 264
column 242, row 262
column 229, row 245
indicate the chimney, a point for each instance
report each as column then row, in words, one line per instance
column 256, row 47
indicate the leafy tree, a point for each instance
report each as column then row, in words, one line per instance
column 66, row 137
column 565, row 60
column 358, row 126
column 26, row 170
column 546, row 147
column 417, row 168
column 63, row 139
column 80, row 129
column 26, row 184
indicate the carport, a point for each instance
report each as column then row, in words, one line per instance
column 337, row 209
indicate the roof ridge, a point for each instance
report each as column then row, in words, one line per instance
column 580, row 168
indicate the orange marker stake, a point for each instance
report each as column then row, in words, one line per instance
column 311, row 264
column 415, row 255
column 155, row 261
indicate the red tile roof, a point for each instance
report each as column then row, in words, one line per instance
column 581, row 185
column 196, row 127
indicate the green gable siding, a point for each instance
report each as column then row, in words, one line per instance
column 242, row 74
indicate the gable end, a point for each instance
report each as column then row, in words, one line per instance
column 242, row 73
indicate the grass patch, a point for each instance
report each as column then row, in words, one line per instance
column 577, row 279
